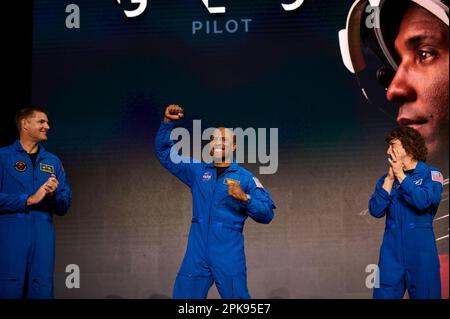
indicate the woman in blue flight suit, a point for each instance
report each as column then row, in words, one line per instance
column 221, row 204
column 409, row 196
column 32, row 189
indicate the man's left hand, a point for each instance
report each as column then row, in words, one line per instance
column 51, row 185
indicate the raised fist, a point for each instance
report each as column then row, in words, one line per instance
column 173, row 113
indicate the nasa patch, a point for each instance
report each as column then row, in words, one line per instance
column 207, row 176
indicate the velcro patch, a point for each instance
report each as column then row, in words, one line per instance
column 207, row 176
column 21, row 166
column 47, row 168
column 437, row 177
column 228, row 181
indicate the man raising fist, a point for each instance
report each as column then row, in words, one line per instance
column 224, row 194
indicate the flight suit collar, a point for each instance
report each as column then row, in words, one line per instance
column 232, row 168
column 20, row 148
column 42, row 152
column 419, row 167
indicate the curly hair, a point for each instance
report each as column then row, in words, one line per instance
column 411, row 140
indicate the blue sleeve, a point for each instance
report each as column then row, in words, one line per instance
column 380, row 200
column 10, row 203
column 260, row 206
column 422, row 196
column 62, row 199
column 178, row 165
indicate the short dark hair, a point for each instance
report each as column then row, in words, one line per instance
column 27, row 112
column 411, row 140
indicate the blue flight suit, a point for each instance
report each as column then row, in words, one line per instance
column 215, row 249
column 408, row 257
column 26, row 233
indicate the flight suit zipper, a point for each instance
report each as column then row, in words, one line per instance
column 399, row 221
column 210, row 208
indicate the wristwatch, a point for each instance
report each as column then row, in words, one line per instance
column 248, row 197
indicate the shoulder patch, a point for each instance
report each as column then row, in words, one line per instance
column 258, row 183
column 437, row 177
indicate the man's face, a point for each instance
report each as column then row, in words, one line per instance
column 420, row 86
column 36, row 127
column 222, row 145
column 396, row 145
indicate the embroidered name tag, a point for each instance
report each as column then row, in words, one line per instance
column 47, row 168
column 228, row 181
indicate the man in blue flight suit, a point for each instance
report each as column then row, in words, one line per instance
column 33, row 187
column 409, row 196
column 224, row 194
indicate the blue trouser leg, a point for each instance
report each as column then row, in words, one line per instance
column 231, row 286
column 392, row 283
column 40, row 284
column 14, row 248
column 424, row 283
column 194, row 278
column 388, row 293
column 191, row 287
column 221, row 262
column 228, row 264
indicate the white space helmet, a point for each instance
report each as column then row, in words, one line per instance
column 367, row 43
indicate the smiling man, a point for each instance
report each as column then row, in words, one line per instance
column 224, row 195
column 33, row 187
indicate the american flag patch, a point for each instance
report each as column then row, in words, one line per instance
column 437, row 177
column 258, row 183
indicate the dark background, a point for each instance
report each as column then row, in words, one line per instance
column 16, row 64
column 106, row 86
